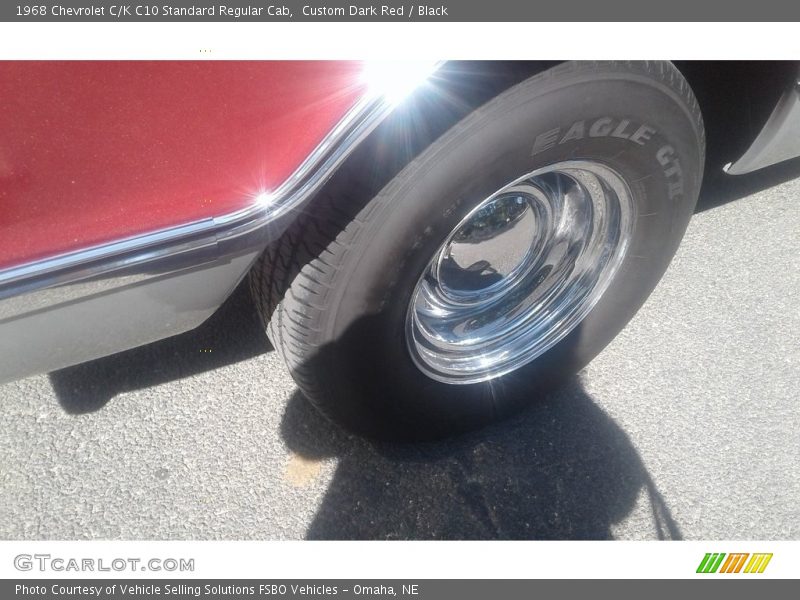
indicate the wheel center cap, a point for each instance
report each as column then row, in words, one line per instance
column 489, row 249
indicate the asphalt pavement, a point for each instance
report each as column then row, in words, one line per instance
column 686, row 427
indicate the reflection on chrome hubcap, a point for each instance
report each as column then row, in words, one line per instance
column 520, row 272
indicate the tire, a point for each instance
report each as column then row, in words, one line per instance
column 336, row 287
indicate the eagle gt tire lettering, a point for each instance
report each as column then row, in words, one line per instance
column 338, row 289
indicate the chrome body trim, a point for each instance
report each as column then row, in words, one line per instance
column 82, row 305
column 213, row 235
column 777, row 141
column 102, row 322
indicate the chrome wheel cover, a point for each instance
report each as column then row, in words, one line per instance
column 519, row 272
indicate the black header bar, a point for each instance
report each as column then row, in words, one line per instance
column 404, row 11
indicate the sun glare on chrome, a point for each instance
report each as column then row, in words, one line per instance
column 396, row 80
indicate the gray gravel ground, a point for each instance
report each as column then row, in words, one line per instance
column 686, row 426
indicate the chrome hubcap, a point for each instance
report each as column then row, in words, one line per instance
column 519, row 272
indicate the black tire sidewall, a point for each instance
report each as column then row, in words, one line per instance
column 374, row 385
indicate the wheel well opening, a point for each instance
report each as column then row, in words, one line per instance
column 736, row 98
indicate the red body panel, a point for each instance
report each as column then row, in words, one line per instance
column 97, row 151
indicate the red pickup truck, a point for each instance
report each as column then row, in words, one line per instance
column 430, row 245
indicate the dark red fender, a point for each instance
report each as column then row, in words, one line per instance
column 97, row 151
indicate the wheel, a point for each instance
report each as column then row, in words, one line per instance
column 499, row 261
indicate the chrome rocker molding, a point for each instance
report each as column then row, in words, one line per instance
column 83, row 305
